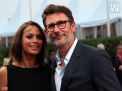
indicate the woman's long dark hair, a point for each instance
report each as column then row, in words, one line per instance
column 16, row 49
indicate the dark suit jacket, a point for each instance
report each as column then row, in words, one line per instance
column 89, row 69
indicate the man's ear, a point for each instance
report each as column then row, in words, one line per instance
column 46, row 32
column 74, row 27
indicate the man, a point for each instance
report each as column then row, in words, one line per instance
column 117, row 62
column 78, row 67
column 51, row 56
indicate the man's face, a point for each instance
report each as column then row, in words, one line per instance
column 59, row 29
column 119, row 51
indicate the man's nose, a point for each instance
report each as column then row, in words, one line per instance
column 56, row 29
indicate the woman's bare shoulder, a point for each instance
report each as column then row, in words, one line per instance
column 3, row 70
column 3, row 77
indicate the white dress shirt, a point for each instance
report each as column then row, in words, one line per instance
column 59, row 72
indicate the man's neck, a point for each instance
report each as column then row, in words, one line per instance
column 63, row 50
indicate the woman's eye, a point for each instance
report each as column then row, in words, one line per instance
column 29, row 37
column 39, row 37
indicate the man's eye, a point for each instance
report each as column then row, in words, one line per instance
column 60, row 22
column 51, row 26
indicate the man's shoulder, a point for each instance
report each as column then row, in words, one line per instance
column 89, row 50
column 86, row 47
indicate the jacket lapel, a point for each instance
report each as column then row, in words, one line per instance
column 53, row 87
column 71, row 67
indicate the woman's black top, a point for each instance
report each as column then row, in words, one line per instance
column 29, row 79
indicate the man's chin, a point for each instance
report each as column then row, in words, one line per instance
column 59, row 43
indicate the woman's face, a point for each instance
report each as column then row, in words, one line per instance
column 31, row 40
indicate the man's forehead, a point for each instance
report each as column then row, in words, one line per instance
column 53, row 18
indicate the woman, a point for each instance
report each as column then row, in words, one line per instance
column 28, row 71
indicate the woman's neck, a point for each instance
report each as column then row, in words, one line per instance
column 27, row 61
